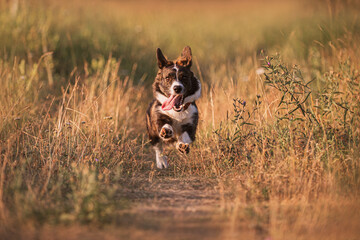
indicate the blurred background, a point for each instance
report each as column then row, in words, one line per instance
column 220, row 32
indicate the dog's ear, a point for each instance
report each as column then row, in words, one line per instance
column 186, row 57
column 161, row 59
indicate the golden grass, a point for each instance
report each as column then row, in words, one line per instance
column 76, row 83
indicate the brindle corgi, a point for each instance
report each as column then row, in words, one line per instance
column 172, row 117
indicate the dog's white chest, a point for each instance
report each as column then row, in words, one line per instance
column 181, row 118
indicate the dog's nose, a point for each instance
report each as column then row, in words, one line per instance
column 178, row 89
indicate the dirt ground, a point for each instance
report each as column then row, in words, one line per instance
column 180, row 208
column 165, row 208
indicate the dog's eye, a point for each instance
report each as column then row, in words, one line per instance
column 182, row 78
column 169, row 78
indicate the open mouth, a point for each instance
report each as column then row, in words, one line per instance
column 175, row 102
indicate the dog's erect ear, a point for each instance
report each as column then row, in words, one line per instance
column 186, row 58
column 161, row 59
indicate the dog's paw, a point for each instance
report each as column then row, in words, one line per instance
column 166, row 131
column 184, row 148
column 161, row 162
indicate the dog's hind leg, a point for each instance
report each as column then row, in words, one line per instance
column 161, row 160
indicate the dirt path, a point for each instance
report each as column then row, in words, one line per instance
column 169, row 208
column 165, row 208
column 174, row 209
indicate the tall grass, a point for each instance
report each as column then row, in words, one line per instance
column 279, row 129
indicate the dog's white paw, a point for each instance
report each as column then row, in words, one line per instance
column 166, row 131
column 161, row 162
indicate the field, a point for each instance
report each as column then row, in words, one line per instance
column 277, row 150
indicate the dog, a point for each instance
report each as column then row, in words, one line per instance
column 172, row 117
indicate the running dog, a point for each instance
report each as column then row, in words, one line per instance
column 172, row 117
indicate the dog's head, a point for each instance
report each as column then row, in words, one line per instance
column 175, row 84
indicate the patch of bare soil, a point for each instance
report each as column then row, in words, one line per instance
column 170, row 208
column 165, row 208
column 174, row 208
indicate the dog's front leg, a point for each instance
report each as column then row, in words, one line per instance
column 183, row 144
column 166, row 132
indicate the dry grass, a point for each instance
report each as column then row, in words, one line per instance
column 277, row 150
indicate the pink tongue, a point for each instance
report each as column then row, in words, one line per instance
column 169, row 103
